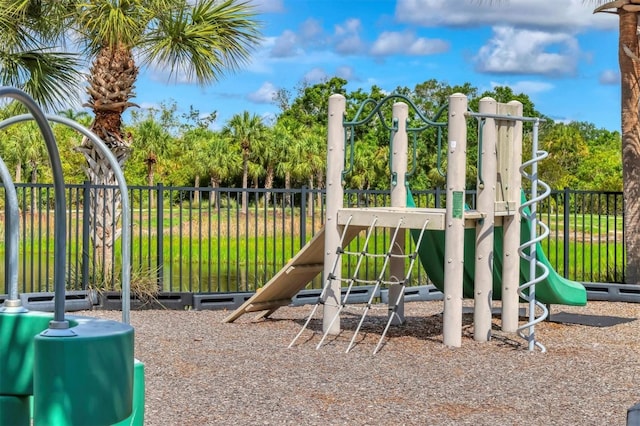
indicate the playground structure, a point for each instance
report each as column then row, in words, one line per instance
column 464, row 258
column 56, row 369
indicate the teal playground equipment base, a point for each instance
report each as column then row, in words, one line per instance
column 75, row 370
column 88, row 375
column 17, row 331
column 66, row 380
column 14, row 410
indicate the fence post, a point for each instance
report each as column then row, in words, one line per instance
column 86, row 206
column 566, row 233
column 303, row 216
column 160, row 234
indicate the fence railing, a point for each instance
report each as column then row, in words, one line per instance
column 200, row 240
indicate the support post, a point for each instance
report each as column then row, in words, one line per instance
column 485, row 203
column 454, row 220
column 335, row 195
column 510, row 151
column 398, row 199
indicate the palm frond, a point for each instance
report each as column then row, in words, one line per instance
column 51, row 78
column 203, row 40
column 108, row 23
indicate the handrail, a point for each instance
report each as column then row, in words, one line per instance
column 117, row 171
column 60, row 226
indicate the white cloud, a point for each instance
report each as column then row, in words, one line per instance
column 393, row 43
column 350, row 26
column 526, row 87
column 345, row 72
column 608, row 77
column 315, row 75
column 347, row 40
column 310, row 30
column 350, row 45
column 268, row 6
column 528, row 52
column 149, row 105
column 264, row 95
column 566, row 15
column 285, row 45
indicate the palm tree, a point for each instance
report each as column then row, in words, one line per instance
column 82, row 117
column 152, row 141
column 313, row 161
column 629, row 62
column 245, row 129
column 199, row 40
column 192, row 150
column 30, row 54
column 223, row 162
column 277, row 151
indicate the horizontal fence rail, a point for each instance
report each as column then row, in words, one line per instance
column 202, row 241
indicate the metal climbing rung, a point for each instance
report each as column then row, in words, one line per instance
column 394, row 311
column 328, row 280
column 377, row 285
column 362, row 254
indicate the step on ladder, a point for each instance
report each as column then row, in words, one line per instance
column 354, row 279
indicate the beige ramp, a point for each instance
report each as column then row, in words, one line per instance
column 292, row 278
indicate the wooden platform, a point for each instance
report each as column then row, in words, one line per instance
column 412, row 217
column 309, row 261
column 292, row 278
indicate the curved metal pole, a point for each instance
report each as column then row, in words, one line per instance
column 60, row 224
column 117, row 171
column 12, row 240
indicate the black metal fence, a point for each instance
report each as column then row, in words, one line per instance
column 200, row 240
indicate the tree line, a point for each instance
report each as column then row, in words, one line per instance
column 290, row 150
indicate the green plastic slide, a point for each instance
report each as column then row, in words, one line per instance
column 555, row 289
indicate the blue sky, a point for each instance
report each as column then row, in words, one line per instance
column 555, row 51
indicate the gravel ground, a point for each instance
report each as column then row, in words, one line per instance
column 200, row 371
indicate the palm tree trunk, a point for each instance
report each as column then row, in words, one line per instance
column 150, row 181
column 18, row 172
column 196, row 193
column 287, row 185
column 215, row 184
column 105, row 207
column 111, row 80
column 268, row 184
column 630, row 73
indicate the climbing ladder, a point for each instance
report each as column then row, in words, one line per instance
column 355, row 279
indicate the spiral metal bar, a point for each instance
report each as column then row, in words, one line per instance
column 537, row 270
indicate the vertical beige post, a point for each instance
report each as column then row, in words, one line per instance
column 510, row 152
column 335, row 195
column 454, row 220
column 398, row 199
column 485, row 203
